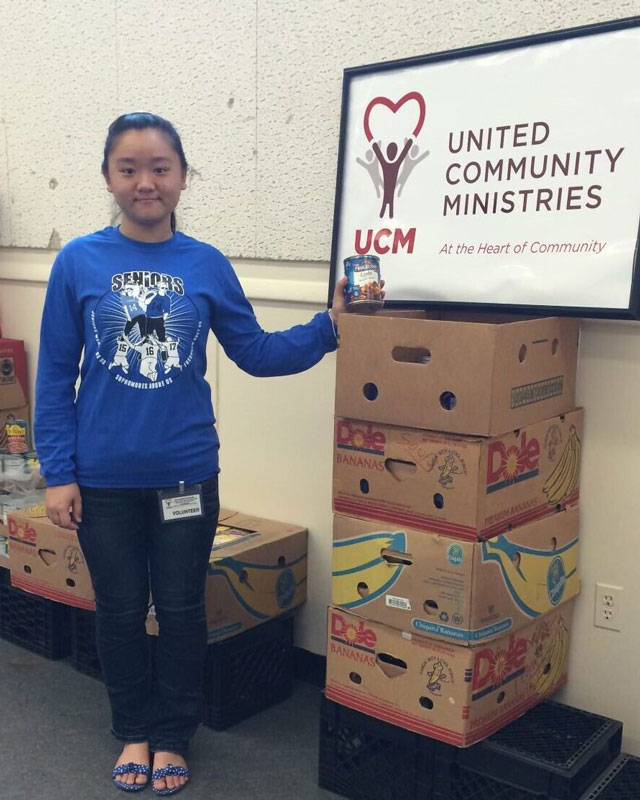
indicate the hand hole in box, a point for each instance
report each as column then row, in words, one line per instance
column 370, row 391
column 523, row 353
column 48, row 556
column 392, row 666
column 448, row 400
column 554, row 347
column 392, row 557
column 411, row 355
column 70, row 582
column 500, row 698
column 355, row 678
column 281, row 561
column 363, row 589
column 401, row 470
column 426, row 702
column 438, row 500
column 430, row 606
column 364, row 486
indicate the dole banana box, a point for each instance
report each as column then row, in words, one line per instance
column 257, row 570
column 47, row 560
column 457, row 374
column 457, row 591
column 459, row 695
column 463, row 486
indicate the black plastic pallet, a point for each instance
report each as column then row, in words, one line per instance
column 248, row 672
column 363, row 758
column 553, row 752
column 620, row 782
column 33, row 622
column 84, row 655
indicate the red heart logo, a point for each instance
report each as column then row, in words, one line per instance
column 393, row 107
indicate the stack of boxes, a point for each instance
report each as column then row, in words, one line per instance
column 455, row 492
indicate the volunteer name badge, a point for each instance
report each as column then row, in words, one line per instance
column 185, row 502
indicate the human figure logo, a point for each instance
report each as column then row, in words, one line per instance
column 389, row 163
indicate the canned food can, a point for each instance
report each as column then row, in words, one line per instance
column 17, row 431
column 362, row 292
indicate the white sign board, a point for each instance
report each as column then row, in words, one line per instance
column 505, row 176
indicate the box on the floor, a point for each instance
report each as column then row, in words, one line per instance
column 47, row 560
column 444, row 588
column 474, row 377
column 458, row 695
column 257, row 571
column 463, row 486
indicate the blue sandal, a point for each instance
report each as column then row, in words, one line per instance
column 138, row 769
column 162, row 772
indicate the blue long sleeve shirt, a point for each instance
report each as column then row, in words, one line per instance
column 143, row 416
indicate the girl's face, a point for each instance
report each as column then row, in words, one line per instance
column 146, row 178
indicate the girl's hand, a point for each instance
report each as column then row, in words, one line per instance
column 63, row 505
column 338, row 305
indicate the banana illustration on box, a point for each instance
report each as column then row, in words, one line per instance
column 552, row 666
column 359, row 560
column 263, row 590
column 537, row 580
column 564, row 478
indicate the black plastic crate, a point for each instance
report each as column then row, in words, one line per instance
column 84, row 655
column 248, row 672
column 553, row 752
column 34, row 622
column 364, row 758
column 620, row 782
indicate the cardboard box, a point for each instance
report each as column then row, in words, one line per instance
column 14, row 388
column 461, row 592
column 11, row 502
column 458, row 695
column 465, row 377
column 257, row 570
column 468, row 487
column 47, row 560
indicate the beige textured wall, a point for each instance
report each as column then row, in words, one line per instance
column 255, row 88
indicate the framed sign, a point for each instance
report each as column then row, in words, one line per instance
column 504, row 177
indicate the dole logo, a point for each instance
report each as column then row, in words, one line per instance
column 352, row 633
column 507, row 464
column 21, row 531
column 493, row 667
column 357, row 436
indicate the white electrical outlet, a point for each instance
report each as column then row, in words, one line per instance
column 608, row 607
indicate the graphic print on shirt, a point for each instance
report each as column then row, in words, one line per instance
column 145, row 328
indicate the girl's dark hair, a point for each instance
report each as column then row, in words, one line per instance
column 139, row 120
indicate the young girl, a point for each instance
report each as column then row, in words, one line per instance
column 131, row 461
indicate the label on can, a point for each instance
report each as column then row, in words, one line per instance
column 363, row 287
column 17, row 435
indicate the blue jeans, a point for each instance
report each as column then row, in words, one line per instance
column 129, row 551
